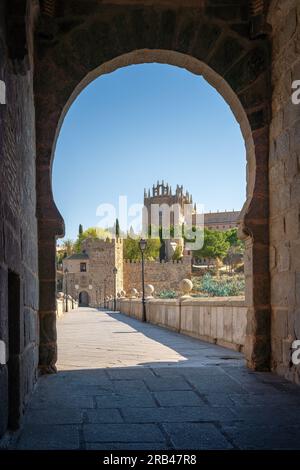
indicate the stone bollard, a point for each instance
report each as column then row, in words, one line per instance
column 149, row 290
column 186, row 287
column 133, row 293
column 123, row 294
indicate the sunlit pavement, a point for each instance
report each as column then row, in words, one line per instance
column 123, row 384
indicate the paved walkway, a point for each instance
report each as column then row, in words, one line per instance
column 127, row 385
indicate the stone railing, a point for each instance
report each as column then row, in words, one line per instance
column 61, row 304
column 219, row 320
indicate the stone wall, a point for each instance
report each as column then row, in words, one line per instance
column 18, row 225
column 103, row 257
column 161, row 275
column 213, row 39
column 221, row 321
column 284, row 16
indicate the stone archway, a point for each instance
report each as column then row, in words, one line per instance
column 103, row 38
column 84, row 299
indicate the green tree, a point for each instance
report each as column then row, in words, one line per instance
column 91, row 232
column 68, row 247
column 80, row 230
column 117, row 228
column 215, row 245
column 177, row 256
column 132, row 252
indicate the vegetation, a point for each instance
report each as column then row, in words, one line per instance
column 132, row 252
column 177, row 254
column 220, row 287
column 167, row 294
column 215, row 245
column 92, row 232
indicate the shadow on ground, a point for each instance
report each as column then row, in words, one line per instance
column 191, row 395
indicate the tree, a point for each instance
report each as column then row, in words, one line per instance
column 68, row 246
column 91, row 232
column 177, row 256
column 117, row 228
column 132, row 252
column 80, row 231
column 215, row 245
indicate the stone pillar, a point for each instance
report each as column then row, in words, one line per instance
column 50, row 226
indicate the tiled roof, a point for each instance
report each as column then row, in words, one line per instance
column 78, row 256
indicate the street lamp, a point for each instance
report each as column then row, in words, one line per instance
column 143, row 246
column 66, row 288
column 72, row 290
column 104, row 297
column 115, row 272
column 90, row 289
column 77, row 294
column 100, row 293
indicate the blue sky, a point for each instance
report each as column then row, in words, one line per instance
column 141, row 124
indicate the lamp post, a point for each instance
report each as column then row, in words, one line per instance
column 143, row 246
column 72, row 290
column 100, row 293
column 115, row 272
column 66, row 288
column 77, row 294
column 90, row 289
column 104, row 297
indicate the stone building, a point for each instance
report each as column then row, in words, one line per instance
column 89, row 276
column 162, row 198
column 221, row 220
column 49, row 51
column 165, row 207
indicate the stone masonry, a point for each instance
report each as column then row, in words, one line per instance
column 50, row 51
column 163, row 276
column 100, row 258
column 284, row 173
column 18, row 224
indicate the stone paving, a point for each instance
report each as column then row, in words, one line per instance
column 127, row 385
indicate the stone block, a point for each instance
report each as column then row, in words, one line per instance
column 207, row 36
column 196, row 436
column 161, row 384
column 227, row 52
column 178, row 398
column 31, row 330
column 122, row 433
column 283, row 257
column 292, row 222
column 297, row 275
column 283, row 289
column 295, row 255
column 228, row 322
column 279, row 323
column 4, row 399
column 56, row 437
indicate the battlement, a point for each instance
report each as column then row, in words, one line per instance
column 186, row 259
column 99, row 243
column 163, row 190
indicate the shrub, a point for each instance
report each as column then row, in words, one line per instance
column 167, row 294
column 221, row 287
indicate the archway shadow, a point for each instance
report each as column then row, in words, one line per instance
column 210, row 354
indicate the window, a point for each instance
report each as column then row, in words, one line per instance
column 83, row 267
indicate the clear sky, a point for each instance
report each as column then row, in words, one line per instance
column 141, row 124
